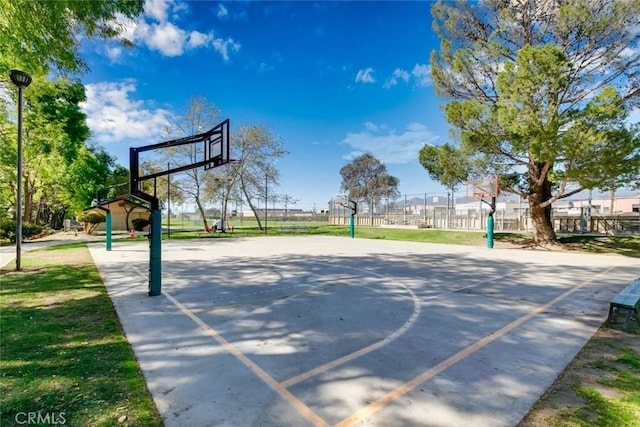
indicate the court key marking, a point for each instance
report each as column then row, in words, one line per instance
column 363, row 413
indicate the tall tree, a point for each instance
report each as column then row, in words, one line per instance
column 258, row 150
column 367, row 178
column 39, row 35
column 54, row 141
column 540, row 91
column 62, row 170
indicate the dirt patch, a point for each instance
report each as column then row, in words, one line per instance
column 586, row 370
column 528, row 243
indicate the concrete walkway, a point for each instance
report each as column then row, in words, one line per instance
column 294, row 331
column 8, row 253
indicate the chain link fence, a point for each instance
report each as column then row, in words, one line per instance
column 445, row 211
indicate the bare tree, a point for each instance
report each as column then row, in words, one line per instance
column 194, row 185
column 257, row 150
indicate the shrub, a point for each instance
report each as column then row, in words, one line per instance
column 30, row 230
column 92, row 218
column 140, row 223
column 8, row 230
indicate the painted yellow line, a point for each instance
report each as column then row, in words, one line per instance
column 320, row 369
column 351, row 356
column 293, row 401
column 369, row 410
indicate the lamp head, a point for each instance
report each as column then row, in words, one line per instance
column 20, row 78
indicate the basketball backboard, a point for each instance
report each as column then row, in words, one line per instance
column 208, row 149
column 344, row 202
column 216, row 146
column 483, row 187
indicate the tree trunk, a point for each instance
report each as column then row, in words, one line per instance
column 251, row 206
column 255, row 213
column 613, row 199
column 128, row 213
column 543, row 233
column 202, row 214
column 57, row 219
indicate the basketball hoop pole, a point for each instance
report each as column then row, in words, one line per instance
column 353, row 205
column 490, row 223
column 486, row 187
column 213, row 157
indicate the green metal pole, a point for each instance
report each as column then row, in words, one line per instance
column 155, row 253
column 108, row 226
column 490, row 231
column 351, row 227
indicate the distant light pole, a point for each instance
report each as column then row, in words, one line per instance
column 22, row 80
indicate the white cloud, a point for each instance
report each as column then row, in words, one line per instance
column 166, row 38
column 224, row 46
column 365, row 76
column 422, row 74
column 114, row 53
column 264, row 67
column 398, row 74
column 371, row 127
column 114, row 116
column 157, row 9
column 388, row 146
column 197, row 39
column 222, row 11
column 159, row 29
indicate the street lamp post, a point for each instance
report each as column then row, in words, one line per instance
column 22, row 80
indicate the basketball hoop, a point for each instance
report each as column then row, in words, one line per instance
column 484, row 187
column 479, row 189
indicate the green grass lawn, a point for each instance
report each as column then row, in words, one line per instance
column 64, row 353
column 601, row 410
column 621, row 245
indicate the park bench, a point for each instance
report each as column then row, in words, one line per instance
column 628, row 299
column 293, row 228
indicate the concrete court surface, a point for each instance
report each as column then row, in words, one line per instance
column 317, row 330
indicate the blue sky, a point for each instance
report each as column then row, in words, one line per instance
column 332, row 79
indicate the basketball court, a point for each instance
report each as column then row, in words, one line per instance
column 315, row 330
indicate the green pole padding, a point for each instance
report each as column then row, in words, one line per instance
column 108, row 227
column 351, row 227
column 155, row 253
column 490, row 231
